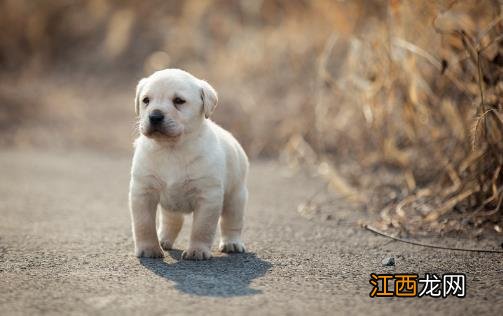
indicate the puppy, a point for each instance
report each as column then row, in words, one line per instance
column 186, row 164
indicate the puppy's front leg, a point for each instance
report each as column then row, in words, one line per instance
column 143, row 204
column 204, row 226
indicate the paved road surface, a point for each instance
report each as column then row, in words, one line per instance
column 66, row 248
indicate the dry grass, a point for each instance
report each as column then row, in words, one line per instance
column 398, row 104
column 431, row 100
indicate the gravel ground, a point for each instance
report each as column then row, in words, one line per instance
column 66, row 248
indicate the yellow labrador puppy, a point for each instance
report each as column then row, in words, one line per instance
column 186, row 164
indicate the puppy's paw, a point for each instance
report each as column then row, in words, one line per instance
column 149, row 252
column 166, row 245
column 197, row 253
column 232, row 246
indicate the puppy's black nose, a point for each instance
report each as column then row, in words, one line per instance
column 156, row 117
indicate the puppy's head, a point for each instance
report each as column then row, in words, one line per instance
column 171, row 103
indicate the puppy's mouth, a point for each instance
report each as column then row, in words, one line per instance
column 160, row 132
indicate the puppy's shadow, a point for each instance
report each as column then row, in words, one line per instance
column 222, row 276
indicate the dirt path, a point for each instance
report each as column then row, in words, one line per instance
column 65, row 248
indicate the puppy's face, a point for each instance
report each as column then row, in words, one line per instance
column 172, row 103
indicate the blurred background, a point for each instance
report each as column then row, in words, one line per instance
column 396, row 104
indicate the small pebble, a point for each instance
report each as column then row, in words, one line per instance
column 388, row 262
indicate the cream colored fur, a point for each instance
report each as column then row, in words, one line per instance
column 189, row 165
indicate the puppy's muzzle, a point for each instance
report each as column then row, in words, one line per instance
column 161, row 126
column 156, row 117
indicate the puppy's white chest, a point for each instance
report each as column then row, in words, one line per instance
column 181, row 196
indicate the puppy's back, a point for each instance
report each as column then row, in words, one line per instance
column 235, row 157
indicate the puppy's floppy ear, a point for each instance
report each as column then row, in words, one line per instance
column 139, row 87
column 209, row 98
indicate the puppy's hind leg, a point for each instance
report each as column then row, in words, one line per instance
column 170, row 225
column 231, row 222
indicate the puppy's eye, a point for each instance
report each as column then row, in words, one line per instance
column 178, row 101
column 146, row 100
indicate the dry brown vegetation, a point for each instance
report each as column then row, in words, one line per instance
column 400, row 101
